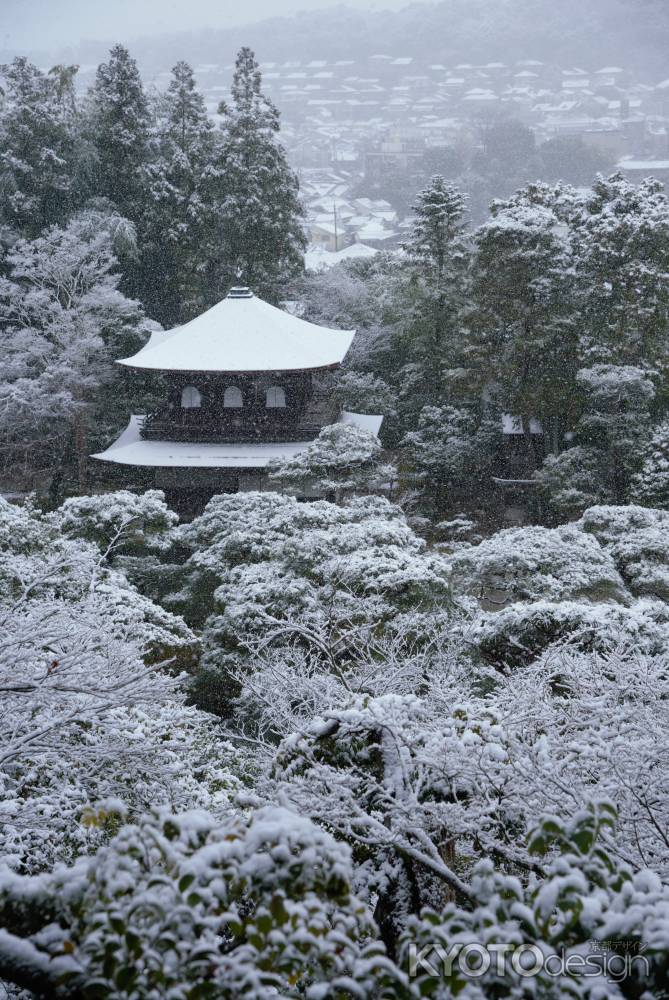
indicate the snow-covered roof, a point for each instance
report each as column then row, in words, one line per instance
column 243, row 334
column 131, row 449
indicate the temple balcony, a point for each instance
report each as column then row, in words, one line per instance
column 230, row 426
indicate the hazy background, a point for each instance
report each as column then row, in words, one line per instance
column 45, row 24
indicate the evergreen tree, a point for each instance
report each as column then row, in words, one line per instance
column 176, row 226
column 37, row 140
column 120, row 123
column 622, row 259
column 650, row 486
column 525, row 325
column 437, row 252
column 258, row 211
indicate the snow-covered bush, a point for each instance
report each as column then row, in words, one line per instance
column 131, row 521
column 534, row 563
column 588, row 927
column 185, row 906
column 637, row 539
column 267, row 557
column 343, row 460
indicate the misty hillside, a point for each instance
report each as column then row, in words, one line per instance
column 455, row 31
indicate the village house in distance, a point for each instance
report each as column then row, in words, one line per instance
column 242, row 390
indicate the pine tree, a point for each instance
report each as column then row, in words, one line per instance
column 38, row 149
column 120, row 132
column 258, row 212
column 176, row 226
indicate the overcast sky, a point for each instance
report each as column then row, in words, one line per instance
column 37, row 24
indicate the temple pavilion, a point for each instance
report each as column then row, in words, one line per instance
column 242, row 388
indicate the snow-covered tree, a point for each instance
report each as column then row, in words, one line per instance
column 258, row 211
column 525, row 329
column 176, row 226
column 622, row 256
column 64, row 321
column 573, row 480
column 453, row 453
column 92, row 702
column 650, row 485
column 344, row 460
column 37, row 163
column 120, row 130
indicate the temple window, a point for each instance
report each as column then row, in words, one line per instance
column 275, row 397
column 232, row 398
column 191, row 398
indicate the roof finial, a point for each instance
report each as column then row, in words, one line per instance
column 240, row 291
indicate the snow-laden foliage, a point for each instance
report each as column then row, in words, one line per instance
column 117, row 520
column 185, row 906
column 650, row 486
column 537, row 563
column 92, row 703
column 343, row 460
column 574, row 480
column 637, row 539
column 590, row 927
column 601, row 580
column 64, row 322
column 268, row 557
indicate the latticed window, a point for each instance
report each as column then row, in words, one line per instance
column 275, row 397
column 191, row 398
column 232, row 398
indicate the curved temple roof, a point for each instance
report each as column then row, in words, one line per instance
column 243, row 334
column 131, row 449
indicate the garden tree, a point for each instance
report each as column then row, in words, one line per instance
column 585, row 897
column 176, row 224
column 93, row 707
column 262, row 561
column 616, row 420
column 118, row 522
column 534, row 563
column 636, row 539
column 119, row 125
column 598, row 582
column 524, row 326
column 423, row 788
column 621, row 257
column 185, row 905
column 39, row 149
column 650, row 485
column 436, row 245
column 64, row 321
column 343, row 461
column 453, row 454
column 573, row 480
column 258, row 212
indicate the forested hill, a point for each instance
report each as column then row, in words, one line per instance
column 454, row 31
